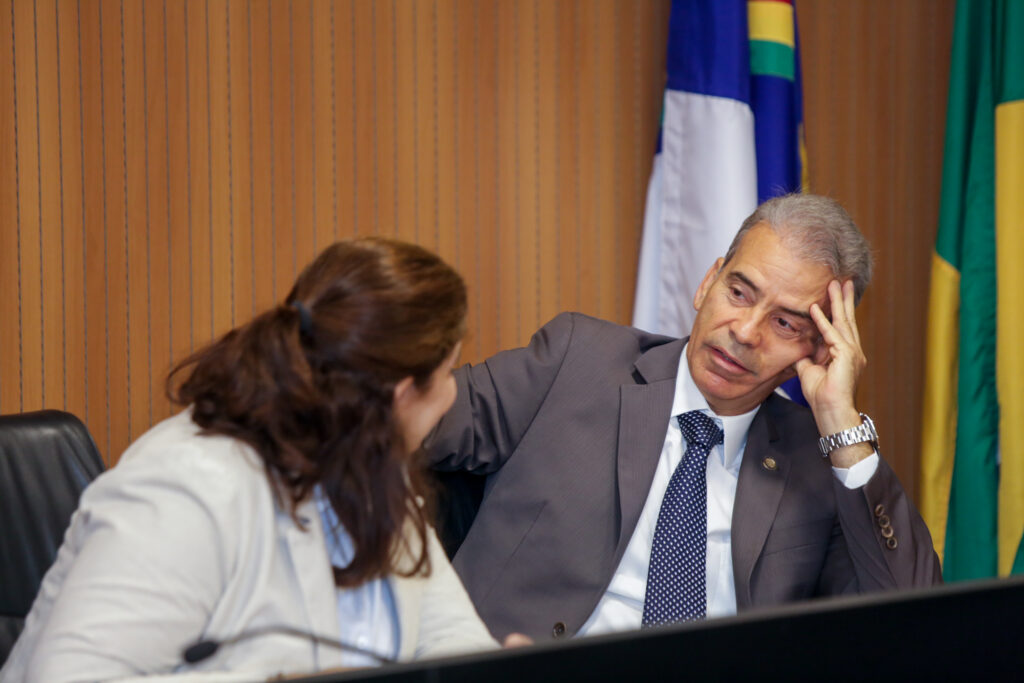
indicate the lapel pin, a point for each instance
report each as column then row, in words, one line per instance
column 770, row 464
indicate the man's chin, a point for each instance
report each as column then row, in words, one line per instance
column 732, row 398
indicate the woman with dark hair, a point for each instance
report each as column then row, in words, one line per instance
column 285, row 507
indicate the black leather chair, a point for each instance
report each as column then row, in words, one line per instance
column 47, row 458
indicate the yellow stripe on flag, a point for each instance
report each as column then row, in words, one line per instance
column 1010, row 325
column 938, row 437
column 772, row 21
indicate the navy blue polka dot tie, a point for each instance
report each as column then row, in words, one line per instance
column 676, row 583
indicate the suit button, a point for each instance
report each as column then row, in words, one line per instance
column 891, row 543
column 883, row 521
column 558, row 630
column 887, row 532
column 879, row 510
column 769, row 464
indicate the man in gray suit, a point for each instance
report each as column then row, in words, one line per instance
column 604, row 510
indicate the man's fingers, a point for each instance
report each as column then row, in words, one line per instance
column 840, row 315
column 829, row 334
column 517, row 640
column 850, row 301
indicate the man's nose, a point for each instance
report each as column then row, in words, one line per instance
column 746, row 328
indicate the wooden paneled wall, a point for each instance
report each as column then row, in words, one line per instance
column 875, row 82
column 168, row 166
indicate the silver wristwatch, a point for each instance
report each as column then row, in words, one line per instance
column 859, row 434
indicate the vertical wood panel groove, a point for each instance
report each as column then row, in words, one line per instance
column 39, row 204
column 476, row 175
column 437, row 157
column 149, row 227
column 577, row 180
column 252, row 164
column 188, row 183
column 106, row 246
column 617, row 165
column 272, row 143
column 127, row 225
column 17, row 202
column 334, row 132
column 517, row 224
column 373, row 99
column 209, row 167
column 85, row 279
column 537, row 162
column 394, row 114
column 355, row 121
column 312, row 127
column 167, row 183
column 60, row 174
column 557, row 58
column 598, row 82
column 291, row 132
column 497, row 187
column 455, row 138
column 231, row 156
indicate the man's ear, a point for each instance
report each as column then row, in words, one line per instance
column 705, row 284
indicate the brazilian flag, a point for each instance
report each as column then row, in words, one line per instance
column 973, row 422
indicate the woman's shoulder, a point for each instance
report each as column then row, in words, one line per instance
column 177, row 454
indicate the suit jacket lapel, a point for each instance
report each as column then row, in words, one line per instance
column 644, row 410
column 758, row 493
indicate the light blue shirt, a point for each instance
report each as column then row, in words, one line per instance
column 367, row 615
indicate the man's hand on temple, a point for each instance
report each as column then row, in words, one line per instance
column 829, row 380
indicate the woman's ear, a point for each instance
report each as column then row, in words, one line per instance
column 402, row 391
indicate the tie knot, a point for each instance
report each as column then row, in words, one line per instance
column 701, row 429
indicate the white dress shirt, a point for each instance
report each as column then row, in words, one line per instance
column 622, row 605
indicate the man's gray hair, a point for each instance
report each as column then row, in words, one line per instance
column 817, row 229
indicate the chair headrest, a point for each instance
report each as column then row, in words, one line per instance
column 47, row 458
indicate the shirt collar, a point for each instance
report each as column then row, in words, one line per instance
column 735, row 427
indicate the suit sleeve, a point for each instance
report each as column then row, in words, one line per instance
column 497, row 400
column 884, row 544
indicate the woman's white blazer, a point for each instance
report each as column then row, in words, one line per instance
column 182, row 541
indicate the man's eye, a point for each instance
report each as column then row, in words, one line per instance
column 787, row 327
column 736, row 292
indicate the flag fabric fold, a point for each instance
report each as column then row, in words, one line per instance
column 972, row 452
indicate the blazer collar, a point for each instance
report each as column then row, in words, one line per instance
column 644, row 408
column 308, row 555
column 660, row 362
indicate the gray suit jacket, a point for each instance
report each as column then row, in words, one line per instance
column 569, row 431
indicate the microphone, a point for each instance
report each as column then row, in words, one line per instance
column 204, row 649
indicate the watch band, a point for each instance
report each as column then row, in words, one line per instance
column 863, row 432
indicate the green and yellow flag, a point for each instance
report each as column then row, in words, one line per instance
column 973, row 432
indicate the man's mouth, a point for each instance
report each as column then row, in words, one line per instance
column 726, row 361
